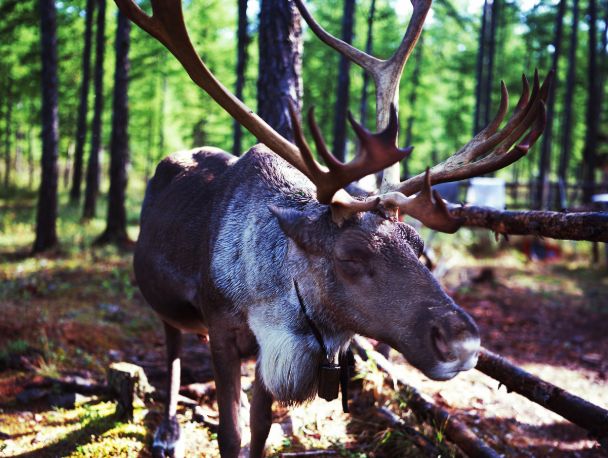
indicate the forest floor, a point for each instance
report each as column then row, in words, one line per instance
column 76, row 311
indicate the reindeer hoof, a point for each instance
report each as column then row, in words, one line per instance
column 167, row 441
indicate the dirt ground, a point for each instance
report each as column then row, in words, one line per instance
column 74, row 316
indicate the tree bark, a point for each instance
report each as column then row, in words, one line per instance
column 566, row 146
column 413, row 95
column 83, row 108
column 491, row 44
column 280, row 63
column 116, row 223
column 591, row 226
column 544, row 165
column 161, row 114
column 241, row 66
column 368, row 49
column 46, row 216
column 8, row 135
column 479, row 97
column 92, row 184
column 30, row 149
column 571, row 407
column 341, row 107
column 593, row 109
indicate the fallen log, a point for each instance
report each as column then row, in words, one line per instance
column 456, row 431
column 591, row 226
column 418, row 439
column 580, row 412
column 69, row 384
column 309, row 454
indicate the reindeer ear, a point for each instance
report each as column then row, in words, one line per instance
column 303, row 228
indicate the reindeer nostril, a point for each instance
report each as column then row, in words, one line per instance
column 440, row 344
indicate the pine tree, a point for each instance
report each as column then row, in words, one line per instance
column 46, row 216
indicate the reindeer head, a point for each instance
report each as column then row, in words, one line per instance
column 372, row 283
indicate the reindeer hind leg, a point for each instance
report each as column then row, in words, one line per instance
column 167, row 441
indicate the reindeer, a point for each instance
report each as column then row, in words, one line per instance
column 268, row 255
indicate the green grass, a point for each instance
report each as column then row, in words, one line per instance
column 18, row 216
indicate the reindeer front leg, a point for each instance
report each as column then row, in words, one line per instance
column 260, row 417
column 167, row 437
column 227, row 372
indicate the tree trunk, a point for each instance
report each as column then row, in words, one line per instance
column 149, row 140
column 489, row 77
column 46, row 216
column 593, row 110
column 241, row 66
column 280, row 63
column 413, row 95
column 116, row 224
column 30, row 150
column 341, row 107
column 7, row 133
column 92, row 188
column 368, row 49
column 544, row 165
column 81, row 130
column 568, row 103
column 161, row 115
column 479, row 98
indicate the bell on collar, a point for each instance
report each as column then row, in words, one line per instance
column 329, row 381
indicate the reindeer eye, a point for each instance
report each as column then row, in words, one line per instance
column 351, row 267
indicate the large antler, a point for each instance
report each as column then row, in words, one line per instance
column 385, row 73
column 377, row 151
column 490, row 149
column 167, row 25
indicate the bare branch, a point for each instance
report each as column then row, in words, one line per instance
column 591, row 226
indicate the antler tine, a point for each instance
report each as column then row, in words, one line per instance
column 364, row 60
column 302, row 144
column 525, row 93
column 380, row 148
column 474, row 149
column 357, row 56
column 412, row 33
column 427, row 206
column 167, row 25
column 491, row 128
column 496, row 150
column 533, row 112
column 534, row 133
column 377, row 151
column 330, row 160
